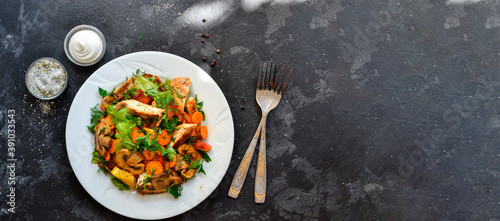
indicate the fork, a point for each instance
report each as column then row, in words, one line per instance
column 270, row 87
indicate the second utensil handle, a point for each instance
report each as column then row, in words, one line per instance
column 241, row 172
column 260, row 174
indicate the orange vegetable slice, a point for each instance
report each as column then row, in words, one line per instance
column 136, row 134
column 197, row 117
column 201, row 145
column 171, row 164
column 113, row 145
column 187, row 118
column 108, row 156
column 148, row 155
column 164, row 138
column 203, row 132
column 154, row 166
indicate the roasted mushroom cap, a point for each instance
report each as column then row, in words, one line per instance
column 121, row 158
column 158, row 183
column 179, row 163
column 135, row 158
column 186, row 149
column 188, row 174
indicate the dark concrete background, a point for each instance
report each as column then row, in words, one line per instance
column 391, row 113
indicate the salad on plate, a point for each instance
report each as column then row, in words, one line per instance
column 149, row 135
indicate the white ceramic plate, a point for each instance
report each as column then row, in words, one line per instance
column 80, row 145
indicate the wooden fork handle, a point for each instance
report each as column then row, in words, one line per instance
column 241, row 173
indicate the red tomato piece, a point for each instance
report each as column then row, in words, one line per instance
column 141, row 97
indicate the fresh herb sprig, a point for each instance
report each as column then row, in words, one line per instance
column 95, row 114
column 175, row 191
column 105, row 93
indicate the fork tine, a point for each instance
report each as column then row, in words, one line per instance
column 281, row 86
column 286, row 81
column 273, row 77
column 276, row 76
column 279, row 79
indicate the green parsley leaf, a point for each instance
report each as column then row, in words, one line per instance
column 198, row 166
column 105, row 93
column 201, row 170
column 169, row 124
column 147, row 178
column 130, row 93
column 205, row 156
column 95, row 114
column 103, row 169
column 195, row 164
column 162, row 98
column 199, row 105
column 96, row 158
column 191, row 140
column 175, row 191
column 187, row 158
column 137, row 73
column 169, row 153
column 144, row 143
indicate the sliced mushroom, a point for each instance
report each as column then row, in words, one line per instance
column 101, row 141
column 121, row 158
column 148, row 190
column 160, row 181
column 188, row 173
column 175, row 179
column 185, row 149
column 135, row 158
column 179, row 163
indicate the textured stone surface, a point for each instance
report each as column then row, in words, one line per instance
column 391, row 113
